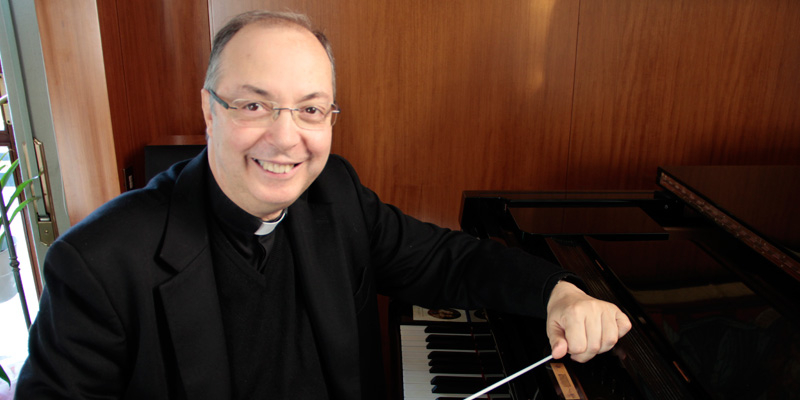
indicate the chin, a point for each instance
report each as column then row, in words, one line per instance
column 279, row 201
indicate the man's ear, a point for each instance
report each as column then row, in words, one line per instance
column 208, row 116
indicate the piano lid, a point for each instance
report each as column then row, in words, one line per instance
column 754, row 203
column 728, row 338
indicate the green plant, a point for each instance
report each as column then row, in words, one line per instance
column 6, row 239
column 7, row 175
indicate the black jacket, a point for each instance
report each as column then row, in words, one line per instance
column 130, row 307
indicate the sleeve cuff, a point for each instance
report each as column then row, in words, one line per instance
column 553, row 280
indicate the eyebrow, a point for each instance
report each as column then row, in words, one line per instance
column 266, row 94
column 256, row 90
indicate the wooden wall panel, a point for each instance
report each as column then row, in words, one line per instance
column 156, row 55
column 73, row 61
column 683, row 82
column 439, row 97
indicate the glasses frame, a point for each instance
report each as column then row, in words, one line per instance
column 276, row 111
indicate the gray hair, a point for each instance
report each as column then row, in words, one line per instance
column 267, row 18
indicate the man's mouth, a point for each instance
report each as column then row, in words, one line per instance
column 275, row 168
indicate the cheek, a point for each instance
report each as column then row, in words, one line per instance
column 320, row 145
column 232, row 140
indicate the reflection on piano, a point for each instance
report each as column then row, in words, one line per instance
column 708, row 269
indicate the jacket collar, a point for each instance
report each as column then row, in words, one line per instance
column 186, row 232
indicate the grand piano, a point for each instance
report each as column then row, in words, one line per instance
column 707, row 267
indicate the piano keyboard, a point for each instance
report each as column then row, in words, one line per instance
column 448, row 362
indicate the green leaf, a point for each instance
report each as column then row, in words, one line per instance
column 8, row 173
column 19, row 209
column 4, row 376
column 20, row 188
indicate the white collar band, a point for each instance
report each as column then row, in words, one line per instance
column 268, row 226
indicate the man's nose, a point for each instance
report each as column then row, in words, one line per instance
column 283, row 133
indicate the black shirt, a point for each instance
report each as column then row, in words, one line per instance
column 270, row 341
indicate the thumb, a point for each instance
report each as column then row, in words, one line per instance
column 558, row 342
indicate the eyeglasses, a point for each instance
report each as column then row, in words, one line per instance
column 261, row 114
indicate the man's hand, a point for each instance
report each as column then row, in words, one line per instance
column 581, row 325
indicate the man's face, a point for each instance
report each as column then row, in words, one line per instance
column 264, row 170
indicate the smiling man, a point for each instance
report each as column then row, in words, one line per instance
column 251, row 271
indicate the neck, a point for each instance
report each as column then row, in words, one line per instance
column 274, row 216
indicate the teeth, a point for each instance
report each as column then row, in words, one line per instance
column 275, row 168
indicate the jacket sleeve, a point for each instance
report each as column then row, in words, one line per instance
column 77, row 344
column 423, row 264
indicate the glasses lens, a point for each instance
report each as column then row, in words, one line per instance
column 251, row 112
column 312, row 116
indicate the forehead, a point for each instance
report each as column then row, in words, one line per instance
column 276, row 58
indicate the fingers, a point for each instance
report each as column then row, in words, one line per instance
column 610, row 333
column 599, row 333
column 579, row 337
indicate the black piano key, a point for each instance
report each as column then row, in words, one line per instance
column 466, row 385
column 465, row 380
column 455, row 368
column 459, row 362
column 462, row 356
column 441, row 357
column 447, row 365
column 456, row 342
column 444, row 362
column 453, row 355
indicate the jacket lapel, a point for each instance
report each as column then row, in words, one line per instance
column 190, row 300
column 327, row 290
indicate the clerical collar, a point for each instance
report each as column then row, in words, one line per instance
column 233, row 218
column 268, row 226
